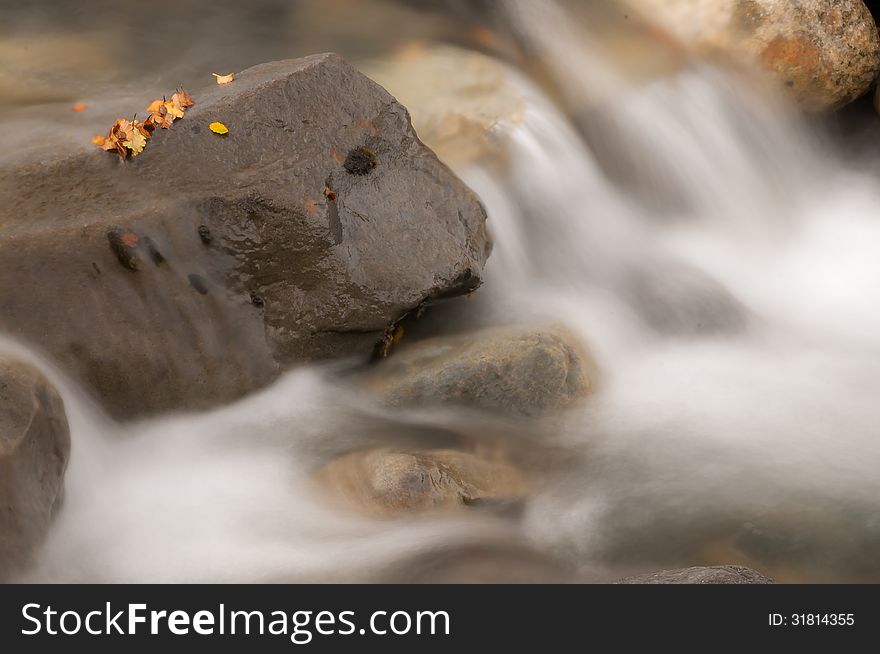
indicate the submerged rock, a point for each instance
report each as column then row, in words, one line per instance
column 191, row 274
column 685, row 301
column 489, row 563
column 825, row 53
column 716, row 574
column 519, row 371
column 390, row 482
column 34, row 449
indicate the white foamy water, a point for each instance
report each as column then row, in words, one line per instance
column 734, row 320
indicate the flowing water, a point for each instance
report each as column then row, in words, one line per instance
column 719, row 260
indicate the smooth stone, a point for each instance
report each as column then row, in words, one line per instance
column 823, row 53
column 462, row 102
column 389, row 482
column 34, row 450
column 515, row 371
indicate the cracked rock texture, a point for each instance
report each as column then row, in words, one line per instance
column 194, row 272
column 824, row 53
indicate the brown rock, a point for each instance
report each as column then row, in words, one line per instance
column 191, row 274
column 34, row 449
column 519, row 371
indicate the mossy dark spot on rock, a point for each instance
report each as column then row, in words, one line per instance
column 198, row 282
column 257, row 300
column 205, row 234
column 124, row 243
column 361, row 161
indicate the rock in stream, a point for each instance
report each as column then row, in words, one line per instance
column 824, row 53
column 34, row 449
column 519, row 371
column 191, row 274
column 388, row 482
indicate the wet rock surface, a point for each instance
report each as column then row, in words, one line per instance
column 718, row 574
column 193, row 273
column 34, row 449
column 824, row 53
column 519, row 371
column 389, row 482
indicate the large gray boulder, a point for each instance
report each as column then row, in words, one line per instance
column 34, row 449
column 194, row 272
column 716, row 574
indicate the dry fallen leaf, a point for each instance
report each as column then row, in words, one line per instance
column 219, row 128
column 163, row 113
column 137, row 140
column 130, row 137
column 79, row 107
column 181, row 99
column 126, row 137
column 224, row 79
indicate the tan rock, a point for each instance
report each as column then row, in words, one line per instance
column 458, row 99
column 390, row 482
column 825, row 53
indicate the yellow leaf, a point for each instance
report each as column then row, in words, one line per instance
column 224, row 79
column 136, row 142
column 174, row 109
column 219, row 128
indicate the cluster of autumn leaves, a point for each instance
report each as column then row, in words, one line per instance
column 129, row 137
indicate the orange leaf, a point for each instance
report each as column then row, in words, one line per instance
column 79, row 107
column 224, row 79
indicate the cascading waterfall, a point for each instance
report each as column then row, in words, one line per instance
column 732, row 316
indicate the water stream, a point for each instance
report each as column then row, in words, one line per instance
column 719, row 261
